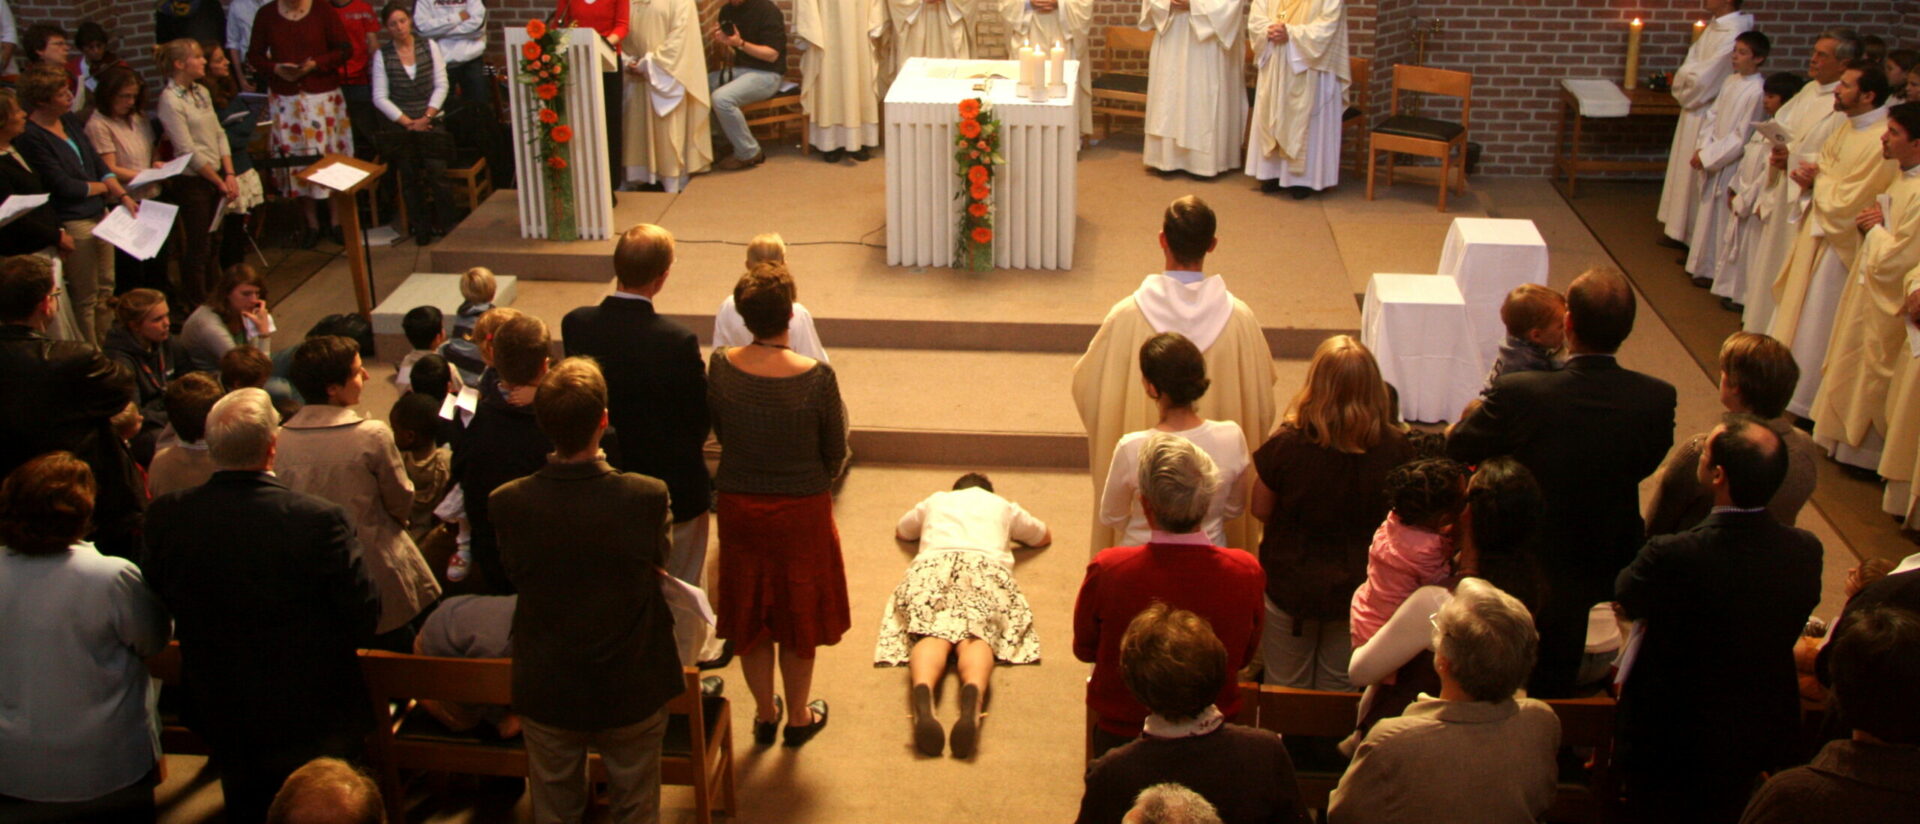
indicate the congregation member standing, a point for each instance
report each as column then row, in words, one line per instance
column 668, row 133
column 594, row 661
column 1900, row 459
column 270, row 601
column 783, row 435
column 838, row 73
column 300, row 47
column 1695, row 86
column 239, row 38
column 1869, row 332
column 656, row 387
column 931, row 28
column 1196, row 115
column 1301, row 51
column 410, row 85
column 1550, row 422
column 185, row 464
column 55, row 144
column 37, row 232
column 755, row 35
column 1068, row 23
column 1108, row 389
column 356, row 78
column 459, row 28
column 1175, row 374
column 192, row 125
column 238, row 120
column 503, row 441
column 1710, row 700
column 1716, row 155
column 192, row 19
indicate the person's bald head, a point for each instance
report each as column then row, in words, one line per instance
column 327, row 791
column 1600, row 308
column 1743, row 461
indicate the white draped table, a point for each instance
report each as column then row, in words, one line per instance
column 1489, row 257
column 1033, row 195
column 1417, row 327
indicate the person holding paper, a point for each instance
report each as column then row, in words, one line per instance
column 1696, row 85
column 238, row 120
column 1196, row 103
column 837, row 73
column 668, row 136
column 1050, row 22
column 410, row 89
column 1843, row 182
column 55, row 145
column 36, row 232
column 1869, row 335
column 301, row 46
column 1722, row 137
column 192, row 125
column 1750, row 195
column 1301, row 51
column 123, row 135
column 930, row 28
column 234, row 314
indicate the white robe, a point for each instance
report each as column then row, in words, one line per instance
column 666, row 129
column 1722, row 139
column 1069, row 24
column 1869, row 335
column 837, row 70
column 1808, row 118
column 1196, row 88
column 1695, row 85
column 1301, row 92
column 922, row 29
column 1750, row 190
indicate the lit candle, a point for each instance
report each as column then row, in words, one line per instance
column 1031, row 68
column 1057, row 72
column 1633, row 53
column 1699, row 28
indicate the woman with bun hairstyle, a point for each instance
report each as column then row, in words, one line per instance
column 1175, row 374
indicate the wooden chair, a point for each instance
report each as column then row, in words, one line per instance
column 1297, row 714
column 783, row 112
column 175, row 737
column 1110, row 86
column 1248, row 715
column 1424, row 136
column 698, row 750
column 1585, row 723
column 1361, row 70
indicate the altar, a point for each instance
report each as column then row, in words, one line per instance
column 1034, row 194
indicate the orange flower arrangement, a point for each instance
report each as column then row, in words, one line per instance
column 977, row 210
column 549, row 116
column 530, row 50
column 975, row 153
column 561, row 133
column 546, row 91
column 982, row 234
column 557, row 162
column 970, row 108
column 536, row 29
column 979, row 191
column 977, row 175
column 970, row 128
column 544, row 71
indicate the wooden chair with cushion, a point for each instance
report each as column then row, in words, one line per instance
column 1110, row 86
column 783, row 112
column 1311, row 721
column 1424, row 136
column 1361, row 94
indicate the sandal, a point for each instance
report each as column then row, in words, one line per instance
column 764, row 731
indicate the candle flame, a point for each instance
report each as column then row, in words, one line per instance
column 1636, row 21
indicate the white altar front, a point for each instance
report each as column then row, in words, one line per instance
column 1034, row 194
column 587, row 57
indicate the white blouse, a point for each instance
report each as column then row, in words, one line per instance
column 1221, row 440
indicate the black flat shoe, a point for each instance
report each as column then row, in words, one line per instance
column 1300, row 192
column 966, row 730
column 1670, row 243
column 713, row 686
column 1270, row 186
column 834, row 156
column 1729, row 305
column 928, row 736
column 765, row 731
column 861, row 154
column 720, row 662
column 795, row 736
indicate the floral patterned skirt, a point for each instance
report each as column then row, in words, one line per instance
column 308, row 124
column 251, row 193
column 954, row 596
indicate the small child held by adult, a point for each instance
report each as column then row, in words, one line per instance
column 1536, row 321
column 1414, row 546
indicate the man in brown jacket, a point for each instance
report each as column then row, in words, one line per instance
column 594, row 660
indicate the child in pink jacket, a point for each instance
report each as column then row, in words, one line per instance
column 1414, row 546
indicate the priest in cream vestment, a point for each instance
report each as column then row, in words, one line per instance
column 666, row 130
column 1848, row 174
column 931, row 28
column 1046, row 22
column 1196, row 88
column 1869, row 334
column 1301, row 49
column 1109, row 391
column 1695, row 86
column 837, row 71
column 1808, row 118
column 1900, row 460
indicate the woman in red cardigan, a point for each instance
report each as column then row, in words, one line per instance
column 299, row 46
column 609, row 19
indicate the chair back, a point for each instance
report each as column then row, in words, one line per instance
column 392, row 676
column 1361, row 70
column 1128, row 38
column 1588, row 723
column 1315, row 713
column 1426, row 80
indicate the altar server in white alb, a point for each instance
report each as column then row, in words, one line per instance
column 666, row 128
column 1716, row 155
column 1696, row 85
column 1301, row 49
column 1046, row 22
column 1196, row 98
column 1750, row 197
column 931, row 28
column 1808, row 119
column 837, row 70
column 1849, row 173
column 1869, row 332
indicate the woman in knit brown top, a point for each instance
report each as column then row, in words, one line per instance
column 783, row 437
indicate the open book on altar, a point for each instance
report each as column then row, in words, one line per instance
column 973, row 70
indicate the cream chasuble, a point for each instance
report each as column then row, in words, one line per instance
column 1869, row 334
column 927, row 29
column 1068, row 24
column 1196, row 88
column 1695, row 85
column 837, row 70
column 1301, row 93
column 1112, row 397
column 1809, row 119
column 1900, row 458
column 1722, row 140
column 666, row 130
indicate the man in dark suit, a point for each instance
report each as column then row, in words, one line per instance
column 63, row 395
column 594, row 659
column 270, row 602
column 1711, row 698
column 656, row 387
column 1589, row 433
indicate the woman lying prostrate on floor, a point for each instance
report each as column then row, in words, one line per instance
column 730, row 330
column 1175, row 375
column 1496, row 543
column 959, row 594
column 235, row 314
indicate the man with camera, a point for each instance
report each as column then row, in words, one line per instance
column 755, row 37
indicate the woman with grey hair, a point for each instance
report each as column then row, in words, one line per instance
column 1477, row 752
column 1171, row 803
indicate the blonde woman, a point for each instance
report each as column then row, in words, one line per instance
column 730, row 330
column 187, row 112
column 1319, row 492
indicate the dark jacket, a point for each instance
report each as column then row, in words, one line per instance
column 151, row 366
column 62, row 395
column 593, row 640
column 270, row 601
column 36, row 230
column 1713, row 689
column 65, row 174
column 1245, row 773
column 656, row 393
column 1902, row 590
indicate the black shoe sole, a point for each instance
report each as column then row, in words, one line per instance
column 966, row 730
column 928, row 736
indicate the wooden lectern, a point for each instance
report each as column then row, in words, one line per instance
column 346, row 206
column 587, row 57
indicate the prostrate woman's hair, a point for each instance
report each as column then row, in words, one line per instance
column 1343, row 404
column 1175, row 368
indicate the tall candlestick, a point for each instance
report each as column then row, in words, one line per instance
column 1057, row 66
column 1633, row 53
column 1030, row 68
column 1699, row 28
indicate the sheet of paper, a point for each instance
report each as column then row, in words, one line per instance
column 19, row 205
column 139, row 236
column 337, row 176
column 166, row 170
column 1773, row 131
column 447, row 406
column 219, row 215
column 683, row 594
column 468, row 399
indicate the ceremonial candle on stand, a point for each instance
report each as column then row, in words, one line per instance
column 1699, row 28
column 1633, row 53
column 1030, row 67
column 1057, row 72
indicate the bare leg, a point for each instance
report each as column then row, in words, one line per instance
column 796, row 673
column 757, row 663
column 927, row 660
column 926, row 664
column 976, row 663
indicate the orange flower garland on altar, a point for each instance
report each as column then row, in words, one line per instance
column 547, row 78
column 975, row 153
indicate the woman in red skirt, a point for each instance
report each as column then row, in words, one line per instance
column 783, row 437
